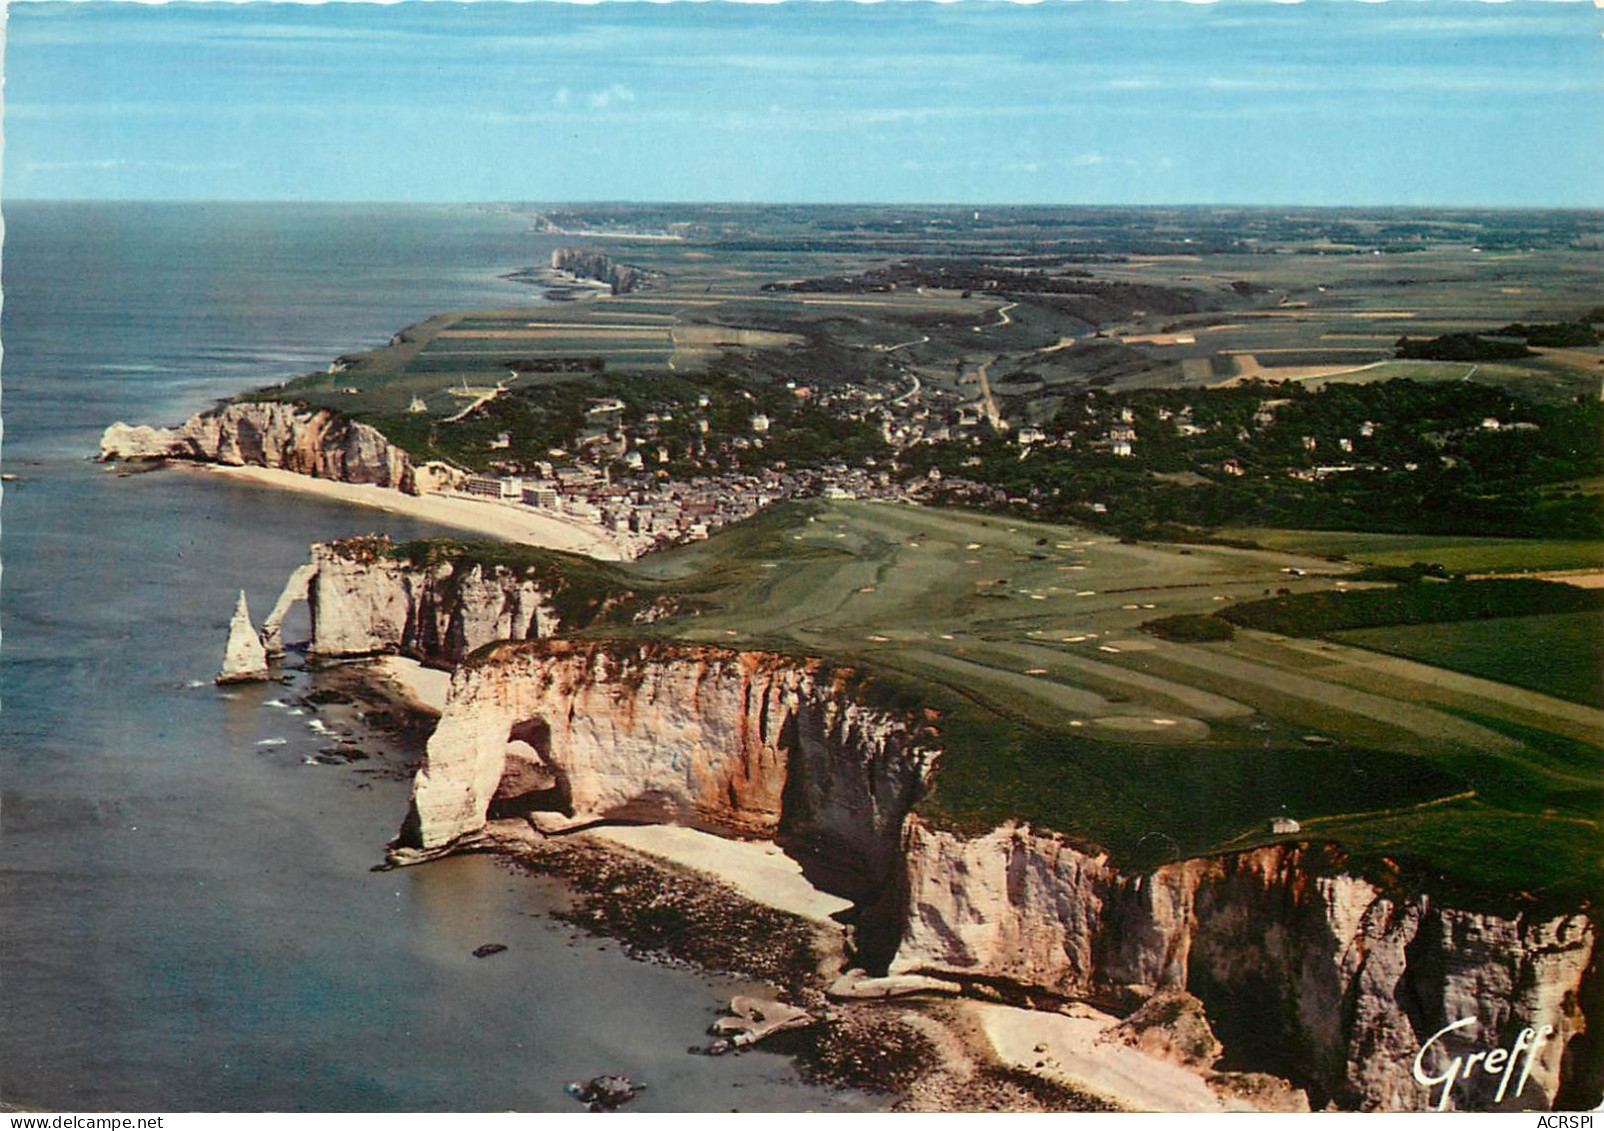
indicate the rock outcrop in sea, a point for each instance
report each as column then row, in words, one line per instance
column 315, row 442
column 244, row 657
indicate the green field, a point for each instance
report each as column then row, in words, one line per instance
column 1457, row 555
column 1559, row 655
column 1055, row 708
column 1537, row 379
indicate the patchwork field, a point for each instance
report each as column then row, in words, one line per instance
column 1050, row 304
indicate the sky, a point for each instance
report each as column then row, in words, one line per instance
column 1325, row 102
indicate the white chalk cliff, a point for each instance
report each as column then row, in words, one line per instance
column 364, row 602
column 1333, row 982
column 313, row 442
column 1306, row 969
column 570, row 733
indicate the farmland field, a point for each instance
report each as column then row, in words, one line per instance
column 1535, row 379
column 839, row 294
column 1458, row 555
column 1559, row 655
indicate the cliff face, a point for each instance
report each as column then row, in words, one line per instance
column 269, row 434
column 1305, row 970
column 363, row 602
column 1318, row 977
column 572, row 733
column 584, row 264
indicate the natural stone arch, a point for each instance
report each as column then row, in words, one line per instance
column 530, row 782
column 296, row 589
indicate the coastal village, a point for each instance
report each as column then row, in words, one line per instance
column 650, row 415
column 610, row 482
column 672, row 511
column 615, row 478
column 867, row 559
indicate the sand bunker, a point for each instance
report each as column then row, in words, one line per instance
column 1149, row 728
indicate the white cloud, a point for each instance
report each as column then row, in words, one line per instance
column 105, row 164
column 602, row 99
column 58, row 166
column 565, row 97
column 1088, row 159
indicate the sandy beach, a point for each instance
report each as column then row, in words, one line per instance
column 427, row 687
column 755, row 868
column 495, row 520
column 758, row 869
column 1079, row 1051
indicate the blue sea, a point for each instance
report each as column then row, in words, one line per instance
column 188, row 915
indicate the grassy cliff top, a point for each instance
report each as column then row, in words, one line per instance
column 1055, row 708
